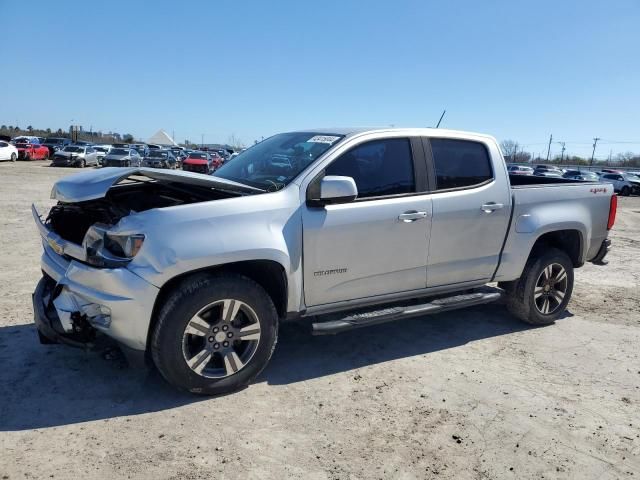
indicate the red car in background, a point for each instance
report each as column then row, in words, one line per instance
column 199, row 162
column 32, row 151
column 216, row 159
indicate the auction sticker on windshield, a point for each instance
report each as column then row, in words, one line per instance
column 323, row 139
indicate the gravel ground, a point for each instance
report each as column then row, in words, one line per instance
column 467, row 394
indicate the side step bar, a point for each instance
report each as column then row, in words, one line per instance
column 389, row 314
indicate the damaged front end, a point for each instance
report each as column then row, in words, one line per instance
column 89, row 240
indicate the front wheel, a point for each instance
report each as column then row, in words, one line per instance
column 543, row 291
column 215, row 334
column 14, row 157
column 625, row 192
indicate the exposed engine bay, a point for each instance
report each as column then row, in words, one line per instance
column 72, row 220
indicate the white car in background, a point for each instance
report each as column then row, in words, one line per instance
column 624, row 183
column 8, row 151
column 519, row 170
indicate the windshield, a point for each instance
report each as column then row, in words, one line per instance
column 53, row 141
column 632, row 177
column 274, row 162
column 198, row 155
column 118, row 151
column 158, row 154
column 73, row 149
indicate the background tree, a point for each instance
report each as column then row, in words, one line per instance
column 235, row 142
column 624, row 158
column 30, row 129
column 509, row 148
column 127, row 138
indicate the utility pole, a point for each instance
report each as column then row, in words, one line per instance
column 609, row 161
column 562, row 153
column 201, row 140
column 595, row 142
column 549, row 148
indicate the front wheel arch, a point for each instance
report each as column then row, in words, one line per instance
column 269, row 274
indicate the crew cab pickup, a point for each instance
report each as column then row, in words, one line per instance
column 194, row 272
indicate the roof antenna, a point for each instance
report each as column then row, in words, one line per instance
column 441, row 117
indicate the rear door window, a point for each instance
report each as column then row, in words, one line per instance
column 460, row 163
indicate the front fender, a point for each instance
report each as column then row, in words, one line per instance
column 194, row 237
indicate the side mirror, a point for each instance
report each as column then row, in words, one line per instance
column 332, row 189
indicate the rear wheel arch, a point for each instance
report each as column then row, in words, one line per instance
column 269, row 274
column 570, row 241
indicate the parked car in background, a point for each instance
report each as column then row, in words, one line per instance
column 584, row 175
column 122, row 157
column 217, row 160
column 547, row 171
column 624, row 183
column 101, row 152
column 199, row 162
column 25, row 139
column 8, row 151
column 515, row 169
column 153, row 146
column 141, row 148
column 160, row 159
column 78, row 156
column 32, row 151
column 55, row 143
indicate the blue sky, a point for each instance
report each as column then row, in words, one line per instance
column 514, row 69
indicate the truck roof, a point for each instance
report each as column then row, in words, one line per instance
column 350, row 131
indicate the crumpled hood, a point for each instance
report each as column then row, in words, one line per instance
column 94, row 184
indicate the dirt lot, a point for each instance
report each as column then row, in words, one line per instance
column 468, row 394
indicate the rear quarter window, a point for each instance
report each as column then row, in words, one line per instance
column 460, row 163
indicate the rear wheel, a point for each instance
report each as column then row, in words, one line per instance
column 625, row 192
column 14, row 157
column 215, row 334
column 541, row 295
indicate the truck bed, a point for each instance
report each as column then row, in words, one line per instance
column 582, row 207
column 532, row 180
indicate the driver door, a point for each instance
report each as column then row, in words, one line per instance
column 378, row 243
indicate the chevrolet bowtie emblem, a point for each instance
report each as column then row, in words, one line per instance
column 55, row 246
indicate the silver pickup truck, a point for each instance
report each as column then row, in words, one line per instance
column 351, row 227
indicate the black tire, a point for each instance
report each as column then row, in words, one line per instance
column 14, row 157
column 521, row 298
column 189, row 298
column 625, row 192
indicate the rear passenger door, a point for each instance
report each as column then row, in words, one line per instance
column 471, row 208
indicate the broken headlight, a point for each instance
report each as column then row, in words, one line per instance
column 106, row 249
column 126, row 246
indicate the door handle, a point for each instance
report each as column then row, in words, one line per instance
column 491, row 206
column 411, row 216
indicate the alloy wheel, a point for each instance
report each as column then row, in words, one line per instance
column 550, row 289
column 221, row 338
